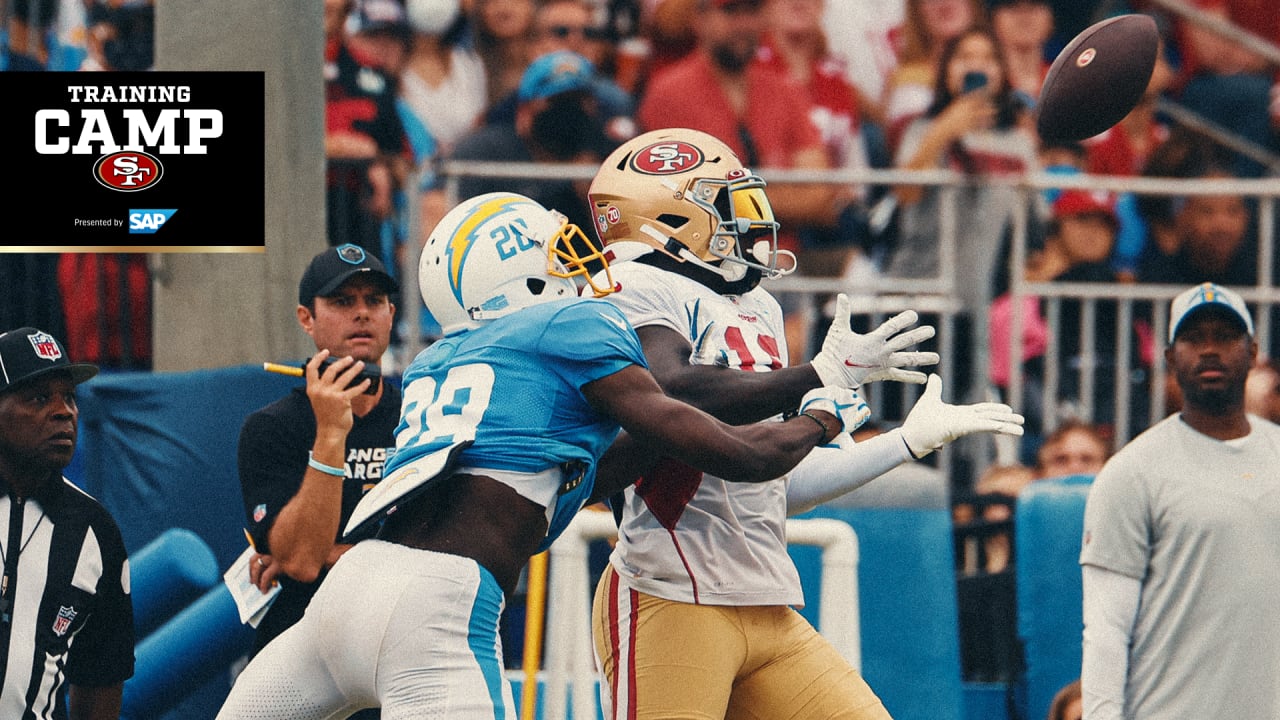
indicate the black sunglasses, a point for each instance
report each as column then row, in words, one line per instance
column 563, row 31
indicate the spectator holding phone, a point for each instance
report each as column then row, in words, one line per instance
column 927, row 26
column 306, row 459
column 976, row 127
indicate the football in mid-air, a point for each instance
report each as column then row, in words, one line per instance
column 1097, row 78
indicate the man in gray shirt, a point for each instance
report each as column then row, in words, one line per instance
column 1181, row 547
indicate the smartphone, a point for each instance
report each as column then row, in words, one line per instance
column 974, row 80
column 370, row 371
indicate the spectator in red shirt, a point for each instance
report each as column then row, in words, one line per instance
column 365, row 147
column 798, row 47
column 1124, row 148
column 1226, row 82
column 668, row 32
column 723, row 89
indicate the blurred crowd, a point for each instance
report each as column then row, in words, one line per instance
column 817, row 85
column 826, row 85
column 789, row 85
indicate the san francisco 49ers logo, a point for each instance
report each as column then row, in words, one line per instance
column 128, row 171
column 667, row 158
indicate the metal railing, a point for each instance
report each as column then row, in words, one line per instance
column 880, row 297
column 1223, row 28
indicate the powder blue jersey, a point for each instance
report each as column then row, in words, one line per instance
column 513, row 387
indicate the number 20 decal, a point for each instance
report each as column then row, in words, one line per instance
column 510, row 239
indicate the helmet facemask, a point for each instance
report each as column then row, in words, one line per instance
column 565, row 261
column 746, row 234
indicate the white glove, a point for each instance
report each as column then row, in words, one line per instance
column 933, row 423
column 845, row 403
column 850, row 359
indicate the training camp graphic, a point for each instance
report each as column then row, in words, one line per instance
column 124, row 161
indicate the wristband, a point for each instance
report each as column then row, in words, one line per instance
column 312, row 462
column 825, row 430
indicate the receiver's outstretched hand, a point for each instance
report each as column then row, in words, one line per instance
column 850, row 359
column 933, row 423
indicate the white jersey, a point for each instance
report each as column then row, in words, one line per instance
column 701, row 539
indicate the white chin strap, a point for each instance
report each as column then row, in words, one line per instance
column 733, row 269
column 761, row 253
column 480, row 315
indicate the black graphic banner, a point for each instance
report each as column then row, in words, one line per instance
column 145, row 162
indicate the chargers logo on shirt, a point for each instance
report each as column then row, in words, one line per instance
column 146, row 222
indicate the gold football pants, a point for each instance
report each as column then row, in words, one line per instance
column 678, row 661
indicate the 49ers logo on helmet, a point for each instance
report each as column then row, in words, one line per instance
column 667, row 158
column 128, row 171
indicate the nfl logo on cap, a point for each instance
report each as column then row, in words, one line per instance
column 45, row 346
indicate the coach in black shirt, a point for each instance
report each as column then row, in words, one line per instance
column 65, row 612
column 306, row 459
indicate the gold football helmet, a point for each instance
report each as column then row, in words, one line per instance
column 685, row 193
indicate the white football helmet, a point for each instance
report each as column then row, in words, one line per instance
column 685, row 193
column 497, row 253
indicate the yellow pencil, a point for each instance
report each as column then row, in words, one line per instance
column 249, row 537
column 292, row 370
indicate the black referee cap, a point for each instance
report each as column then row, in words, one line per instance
column 27, row 353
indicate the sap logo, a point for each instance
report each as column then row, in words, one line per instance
column 146, row 222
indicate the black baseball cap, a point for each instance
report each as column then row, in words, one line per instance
column 28, row 353
column 381, row 16
column 334, row 266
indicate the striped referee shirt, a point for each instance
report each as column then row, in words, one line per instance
column 65, row 611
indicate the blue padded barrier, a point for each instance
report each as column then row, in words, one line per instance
column 907, row 598
column 1048, row 523
column 167, row 574
column 986, row 701
column 184, row 654
column 160, row 450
